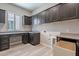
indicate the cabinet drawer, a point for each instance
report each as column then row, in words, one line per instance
column 4, row 40
column 25, row 38
column 4, row 46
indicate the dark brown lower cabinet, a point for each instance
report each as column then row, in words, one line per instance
column 4, row 42
column 34, row 38
column 77, row 48
column 25, row 38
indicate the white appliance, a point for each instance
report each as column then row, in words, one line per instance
column 48, row 38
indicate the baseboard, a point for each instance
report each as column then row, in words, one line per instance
column 14, row 43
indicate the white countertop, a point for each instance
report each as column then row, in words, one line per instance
column 70, row 35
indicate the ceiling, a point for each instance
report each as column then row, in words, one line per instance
column 29, row 6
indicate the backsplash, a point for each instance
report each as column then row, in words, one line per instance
column 61, row 26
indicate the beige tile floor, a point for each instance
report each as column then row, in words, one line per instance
column 27, row 50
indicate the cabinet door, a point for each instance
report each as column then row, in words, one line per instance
column 25, row 38
column 27, row 20
column 34, row 20
column 77, row 10
column 47, row 16
column 68, row 11
column 30, row 20
column 4, row 39
column 34, row 38
column 42, row 15
column 4, row 42
column 54, row 14
column 4, row 46
column 2, row 16
column 30, row 37
column 39, row 18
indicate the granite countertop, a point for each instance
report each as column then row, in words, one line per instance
column 70, row 35
column 12, row 32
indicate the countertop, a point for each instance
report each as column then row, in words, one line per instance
column 70, row 35
column 15, row 32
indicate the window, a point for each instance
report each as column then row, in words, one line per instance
column 11, row 23
column 18, row 22
column 14, row 22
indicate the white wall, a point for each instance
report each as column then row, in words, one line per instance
column 16, row 10
column 9, row 7
column 62, row 26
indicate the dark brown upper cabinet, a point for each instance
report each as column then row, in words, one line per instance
column 54, row 14
column 30, row 20
column 27, row 20
column 67, row 11
column 42, row 17
column 60, row 12
column 38, row 19
column 47, row 16
column 34, row 19
column 77, row 10
column 2, row 16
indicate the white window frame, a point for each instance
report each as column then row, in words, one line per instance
column 18, row 22
column 17, row 19
column 10, row 15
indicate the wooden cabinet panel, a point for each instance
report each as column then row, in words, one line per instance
column 2, row 16
column 42, row 15
column 4, row 47
column 32, row 20
column 34, row 38
column 4, row 42
column 60, row 12
column 27, row 20
column 25, row 38
column 54, row 14
column 4, row 39
column 77, row 10
column 67, row 11
column 35, row 20
column 47, row 16
column 39, row 19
